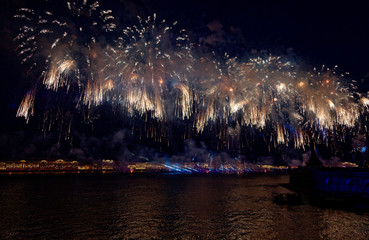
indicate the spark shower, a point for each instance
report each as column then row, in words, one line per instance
column 152, row 70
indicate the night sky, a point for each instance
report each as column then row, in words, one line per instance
column 314, row 33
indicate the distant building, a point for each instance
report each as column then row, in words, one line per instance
column 348, row 165
column 39, row 166
column 108, row 165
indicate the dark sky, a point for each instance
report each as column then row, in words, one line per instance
column 314, row 32
column 319, row 32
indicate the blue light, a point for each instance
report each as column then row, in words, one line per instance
column 363, row 149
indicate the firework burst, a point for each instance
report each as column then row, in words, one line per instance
column 152, row 71
column 66, row 52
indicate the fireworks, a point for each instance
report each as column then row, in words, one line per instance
column 26, row 107
column 152, row 69
column 64, row 46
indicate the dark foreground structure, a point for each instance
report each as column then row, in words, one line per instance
column 347, row 186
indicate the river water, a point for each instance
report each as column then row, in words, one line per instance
column 164, row 206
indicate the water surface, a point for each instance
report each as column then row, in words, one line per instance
column 164, row 206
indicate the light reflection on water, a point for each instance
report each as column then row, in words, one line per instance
column 164, row 207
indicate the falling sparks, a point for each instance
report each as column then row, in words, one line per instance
column 150, row 70
column 26, row 107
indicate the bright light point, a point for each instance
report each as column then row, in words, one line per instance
column 364, row 101
column 331, row 104
column 327, row 81
column 161, row 81
column 109, row 84
column 363, row 149
column 281, row 87
column 275, row 99
column 93, row 54
column 301, row 84
column 231, row 89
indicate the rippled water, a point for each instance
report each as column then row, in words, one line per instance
column 164, row 207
